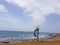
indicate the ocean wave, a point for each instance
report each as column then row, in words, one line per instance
column 13, row 39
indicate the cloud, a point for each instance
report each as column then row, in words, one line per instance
column 38, row 9
column 2, row 8
column 8, row 21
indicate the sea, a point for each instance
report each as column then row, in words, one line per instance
column 14, row 36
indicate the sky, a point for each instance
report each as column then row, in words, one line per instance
column 26, row 15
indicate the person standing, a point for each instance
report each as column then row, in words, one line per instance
column 36, row 33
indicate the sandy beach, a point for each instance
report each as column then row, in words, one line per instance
column 55, row 41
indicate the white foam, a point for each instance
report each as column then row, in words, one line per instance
column 23, row 38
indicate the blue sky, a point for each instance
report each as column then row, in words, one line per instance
column 26, row 15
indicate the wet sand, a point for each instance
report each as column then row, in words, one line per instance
column 55, row 41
